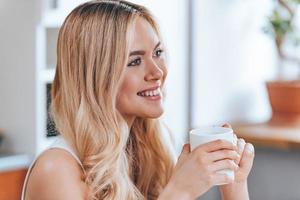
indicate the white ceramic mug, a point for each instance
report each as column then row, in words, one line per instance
column 207, row 134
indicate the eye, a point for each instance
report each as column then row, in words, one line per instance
column 158, row 52
column 135, row 62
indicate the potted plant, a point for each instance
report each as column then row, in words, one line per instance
column 284, row 92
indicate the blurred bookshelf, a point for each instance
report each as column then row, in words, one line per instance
column 53, row 14
column 51, row 130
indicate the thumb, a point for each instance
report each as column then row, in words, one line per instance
column 185, row 151
column 247, row 158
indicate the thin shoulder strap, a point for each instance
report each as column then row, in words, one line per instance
column 59, row 143
column 62, row 144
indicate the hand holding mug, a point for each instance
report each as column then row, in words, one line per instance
column 197, row 171
column 204, row 135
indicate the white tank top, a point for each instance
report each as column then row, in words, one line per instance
column 59, row 143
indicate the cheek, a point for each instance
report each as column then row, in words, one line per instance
column 128, row 92
column 129, row 86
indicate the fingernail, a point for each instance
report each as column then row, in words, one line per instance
column 235, row 137
column 250, row 148
column 241, row 143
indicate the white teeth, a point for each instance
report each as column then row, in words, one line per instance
column 156, row 92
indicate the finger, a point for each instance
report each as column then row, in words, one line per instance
column 216, row 145
column 247, row 158
column 222, row 178
column 240, row 148
column 224, row 164
column 224, row 154
column 226, row 125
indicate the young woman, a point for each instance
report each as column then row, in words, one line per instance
column 106, row 101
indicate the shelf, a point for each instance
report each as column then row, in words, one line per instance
column 13, row 162
column 270, row 136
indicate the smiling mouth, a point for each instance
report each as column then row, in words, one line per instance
column 150, row 93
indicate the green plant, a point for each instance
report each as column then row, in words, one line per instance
column 283, row 29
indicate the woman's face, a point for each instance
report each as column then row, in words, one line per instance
column 140, row 91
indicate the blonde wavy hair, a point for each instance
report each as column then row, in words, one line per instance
column 92, row 52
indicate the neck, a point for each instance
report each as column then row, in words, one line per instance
column 129, row 120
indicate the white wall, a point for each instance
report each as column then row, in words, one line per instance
column 232, row 60
column 17, row 74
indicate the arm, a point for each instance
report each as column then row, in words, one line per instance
column 235, row 191
column 56, row 175
column 170, row 193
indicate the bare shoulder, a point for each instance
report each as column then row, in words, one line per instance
column 56, row 175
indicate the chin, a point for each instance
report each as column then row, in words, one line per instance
column 155, row 114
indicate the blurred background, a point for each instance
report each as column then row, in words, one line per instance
column 222, row 58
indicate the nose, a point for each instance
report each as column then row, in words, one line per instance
column 154, row 71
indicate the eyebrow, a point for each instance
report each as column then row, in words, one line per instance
column 141, row 52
